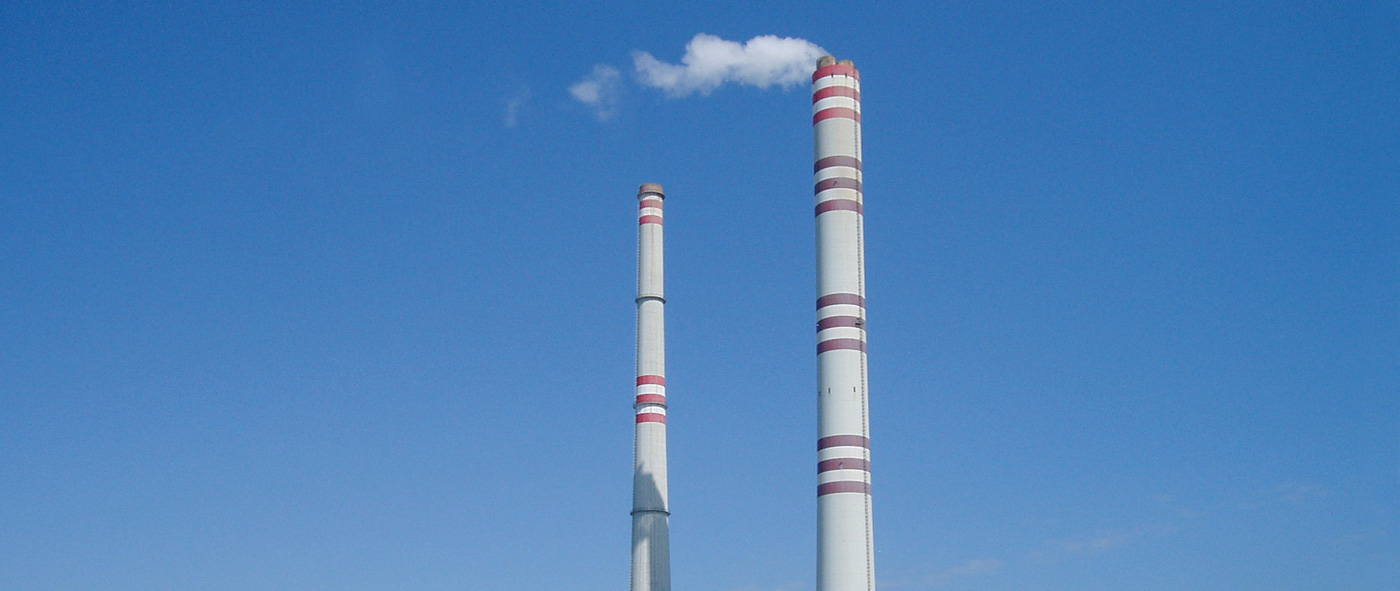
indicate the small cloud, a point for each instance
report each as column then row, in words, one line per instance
column 1095, row 544
column 1297, row 493
column 514, row 104
column 1098, row 543
column 599, row 91
column 1172, row 502
column 710, row 61
column 788, row 586
column 1351, row 538
column 945, row 577
column 972, row 568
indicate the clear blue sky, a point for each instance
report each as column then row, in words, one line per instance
column 334, row 296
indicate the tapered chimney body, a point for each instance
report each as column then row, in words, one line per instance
column 845, row 543
column 651, row 549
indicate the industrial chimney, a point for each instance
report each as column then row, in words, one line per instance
column 651, row 545
column 845, row 543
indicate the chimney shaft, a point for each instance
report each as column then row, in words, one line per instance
column 651, row 546
column 845, row 543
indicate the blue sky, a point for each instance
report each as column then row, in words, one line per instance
column 339, row 296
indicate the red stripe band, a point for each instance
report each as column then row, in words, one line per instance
column 840, row 205
column 837, row 90
column 843, row 464
column 649, row 219
column 651, row 379
column 645, row 203
column 833, row 299
column 831, row 161
column 843, row 441
column 651, row 399
column 840, row 345
column 836, row 113
column 835, row 321
column 836, row 69
column 651, row 417
column 837, row 183
column 843, row 486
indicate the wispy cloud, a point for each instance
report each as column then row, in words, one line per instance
column 946, row 576
column 1287, row 494
column 709, row 62
column 1176, row 505
column 515, row 103
column 1098, row 543
column 1295, row 494
column 788, row 586
column 972, row 568
column 599, row 91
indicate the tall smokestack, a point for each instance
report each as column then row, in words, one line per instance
column 651, row 543
column 845, row 544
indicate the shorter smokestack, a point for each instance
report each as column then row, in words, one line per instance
column 651, row 542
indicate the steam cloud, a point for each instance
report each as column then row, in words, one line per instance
column 709, row 62
column 599, row 91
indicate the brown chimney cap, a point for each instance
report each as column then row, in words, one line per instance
column 651, row 189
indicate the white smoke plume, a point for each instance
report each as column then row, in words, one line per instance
column 516, row 103
column 599, row 91
column 709, row 62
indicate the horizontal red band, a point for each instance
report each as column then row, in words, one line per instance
column 649, row 219
column 843, row 486
column 651, row 417
column 836, row 183
column 651, row 379
column 837, row 90
column 651, row 399
column 840, row 205
column 833, row 299
column 836, row 69
column 843, row 441
column 645, row 203
column 836, row 113
column 835, row 321
column 831, row 161
column 843, row 464
column 840, row 345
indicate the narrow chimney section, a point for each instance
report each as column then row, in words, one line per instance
column 651, row 546
column 845, row 543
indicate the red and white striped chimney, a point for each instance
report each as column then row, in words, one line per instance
column 651, row 545
column 845, row 543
